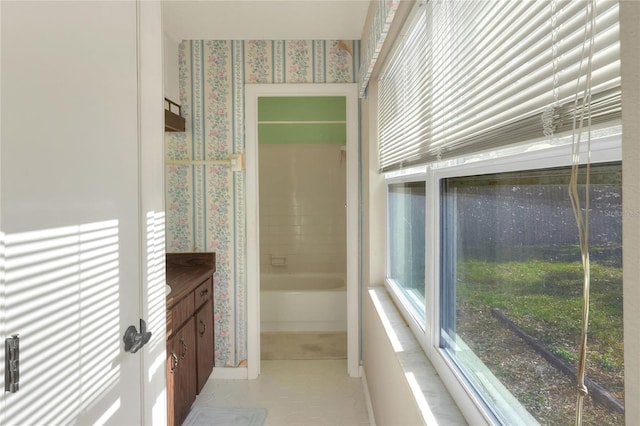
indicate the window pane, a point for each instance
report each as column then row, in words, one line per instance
column 406, row 242
column 511, row 257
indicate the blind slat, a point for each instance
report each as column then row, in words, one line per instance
column 469, row 76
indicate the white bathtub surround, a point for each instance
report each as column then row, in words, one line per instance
column 302, row 282
column 302, row 209
column 303, row 302
column 303, row 345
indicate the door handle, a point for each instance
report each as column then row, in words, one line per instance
column 133, row 340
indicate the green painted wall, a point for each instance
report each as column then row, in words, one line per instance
column 308, row 133
column 302, row 108
column 302, row 120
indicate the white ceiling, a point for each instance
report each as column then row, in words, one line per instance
column 265, row 19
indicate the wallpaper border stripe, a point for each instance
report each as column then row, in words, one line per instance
column 193, row 168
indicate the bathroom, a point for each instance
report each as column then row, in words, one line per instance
column 302, row 198
column 206, row 202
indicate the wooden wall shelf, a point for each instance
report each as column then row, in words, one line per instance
column 173, row 119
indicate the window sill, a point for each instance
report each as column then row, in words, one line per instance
column 434, row 401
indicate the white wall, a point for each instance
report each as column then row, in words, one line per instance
column 630, row 57
column 171, row 81
column 152, row 220
column 391, row 397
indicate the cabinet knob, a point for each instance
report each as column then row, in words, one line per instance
column 203, row 328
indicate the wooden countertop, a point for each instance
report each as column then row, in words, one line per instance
column 185, row 271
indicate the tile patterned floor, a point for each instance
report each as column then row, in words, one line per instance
column 296, row 393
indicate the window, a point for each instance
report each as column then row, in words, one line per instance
column 481, row 95
column 484, row 263
column 406, row 249
column 511, row 263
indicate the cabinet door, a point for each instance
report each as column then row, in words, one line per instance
column 204, row 327
column 172, row 371
column 181, row 384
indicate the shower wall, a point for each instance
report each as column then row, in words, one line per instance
column 302, row 165
column 302, row 208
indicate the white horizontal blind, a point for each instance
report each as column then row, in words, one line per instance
column 400, row 96
column 473, row 75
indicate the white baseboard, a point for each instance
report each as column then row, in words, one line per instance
column 228, row 373
column 367, row 397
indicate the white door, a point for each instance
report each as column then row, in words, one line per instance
column 82, row 251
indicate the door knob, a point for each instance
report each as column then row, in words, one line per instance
column 133, row 340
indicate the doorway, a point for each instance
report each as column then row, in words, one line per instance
column 348, row 94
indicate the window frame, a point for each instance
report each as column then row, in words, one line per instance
column 528, row 156
column 417, row 325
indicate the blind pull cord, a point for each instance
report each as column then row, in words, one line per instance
column 582, row 215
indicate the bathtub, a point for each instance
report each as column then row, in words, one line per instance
column 303, row 302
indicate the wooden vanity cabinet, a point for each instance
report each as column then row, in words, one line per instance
column 190, row 339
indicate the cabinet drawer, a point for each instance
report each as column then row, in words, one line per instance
column 204, row 292
column 180, row 313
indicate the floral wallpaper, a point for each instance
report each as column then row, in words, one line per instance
column 204, row 198
column 377, row 33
